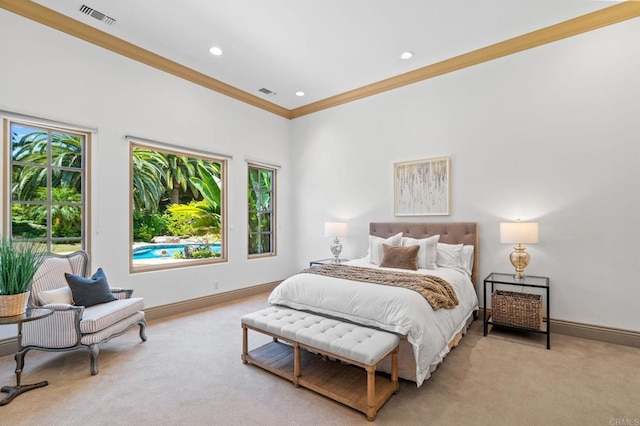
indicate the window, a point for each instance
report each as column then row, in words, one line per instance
column 48, row 186
column 178, row 208
column 261, row 202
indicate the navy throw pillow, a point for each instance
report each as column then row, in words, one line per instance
column 90, row 291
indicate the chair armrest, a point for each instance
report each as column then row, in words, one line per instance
column 121, row 293
column 59, row 330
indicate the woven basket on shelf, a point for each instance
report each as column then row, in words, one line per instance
column 13, row 304
column 518, row 309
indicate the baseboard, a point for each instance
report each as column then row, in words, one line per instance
column 185, row 306
column 592, row 332
column 9, row 345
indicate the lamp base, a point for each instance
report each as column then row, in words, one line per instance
column 336, row 249
column 519, row 259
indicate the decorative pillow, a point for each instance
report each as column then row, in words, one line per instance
column 90, row 291
column 58, row 296
column 449, row 255
column 375, row 246
column 466, row 258
column 428, row 250
column 400, row 257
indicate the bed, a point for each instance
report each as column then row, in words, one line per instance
column 427, row 334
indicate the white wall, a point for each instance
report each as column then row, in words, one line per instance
column 551, row 135
column 49, row 74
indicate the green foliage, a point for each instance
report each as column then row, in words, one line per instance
column 260, row 195
column 32, row 149
column 148, row 174
column 179, row 223
column 148, row 225
column 161, row 177
column 204, row 215
column 202, row 252
column 18, row 264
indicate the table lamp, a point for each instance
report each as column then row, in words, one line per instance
column 519, row 233
column 335, row 229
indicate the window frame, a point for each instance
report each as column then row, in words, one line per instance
column 84, row 170
column 274, row 205
column 181, row 151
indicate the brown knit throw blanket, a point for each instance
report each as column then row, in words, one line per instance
column 435, row 290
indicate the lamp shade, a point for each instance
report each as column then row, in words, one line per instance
column 335, row 229
column 519, row 232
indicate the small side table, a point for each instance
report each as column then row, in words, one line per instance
column 31, row 314
column 529, row 281
column 329, row 261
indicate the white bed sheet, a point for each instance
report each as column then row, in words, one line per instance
column 394, row 309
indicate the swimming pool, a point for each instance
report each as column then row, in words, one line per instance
column 166, row 251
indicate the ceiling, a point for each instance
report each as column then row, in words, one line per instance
column 323, row 48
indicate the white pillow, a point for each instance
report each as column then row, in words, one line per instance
column 375, row 246
column 428, row 250
column 466, row 258
column 449, row 255
column 60, row 295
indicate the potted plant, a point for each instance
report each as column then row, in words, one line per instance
column 19, row 262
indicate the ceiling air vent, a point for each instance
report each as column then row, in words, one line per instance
column 267, row 92
column 98, row 15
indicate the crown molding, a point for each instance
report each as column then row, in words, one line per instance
column 591, row 21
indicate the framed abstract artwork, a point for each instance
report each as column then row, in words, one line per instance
column 421, row 187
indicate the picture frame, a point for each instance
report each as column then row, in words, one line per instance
column 422, row 187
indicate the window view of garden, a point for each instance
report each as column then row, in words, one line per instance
column 177, row 211
column 261, row 202
column 47, row 184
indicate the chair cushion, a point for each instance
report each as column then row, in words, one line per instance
column 103, row 315
column 90, row 291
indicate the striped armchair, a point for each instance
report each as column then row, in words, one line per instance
column 76, row 327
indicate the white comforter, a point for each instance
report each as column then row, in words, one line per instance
column 394, row 309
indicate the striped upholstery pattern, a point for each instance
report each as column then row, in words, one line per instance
column 119, row 327
column 99, row 317
column 55, row 331
column 50, row 275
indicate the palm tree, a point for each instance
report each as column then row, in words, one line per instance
column 148, row 174
column 181, row 170
column 31, row 153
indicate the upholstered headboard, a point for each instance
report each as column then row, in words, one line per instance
column 450, row 233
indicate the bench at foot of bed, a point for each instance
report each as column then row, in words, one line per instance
column 310, row 339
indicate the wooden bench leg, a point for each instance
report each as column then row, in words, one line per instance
column 244, row 344
column 371, row 393
column 296, row 364
column 394, row 369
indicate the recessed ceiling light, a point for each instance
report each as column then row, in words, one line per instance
column 215, row 51
column 299, row 93
column 406, row 55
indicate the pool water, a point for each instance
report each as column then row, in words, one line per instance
column 166, row 251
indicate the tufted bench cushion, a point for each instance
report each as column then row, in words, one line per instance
column 350, row 341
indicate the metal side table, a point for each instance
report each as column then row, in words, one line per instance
column 31, row 314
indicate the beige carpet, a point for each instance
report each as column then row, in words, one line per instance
column 189, row 372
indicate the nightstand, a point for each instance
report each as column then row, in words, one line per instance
column 530, row 281
column 329, row 261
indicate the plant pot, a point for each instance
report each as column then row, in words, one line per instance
column 13, row 304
